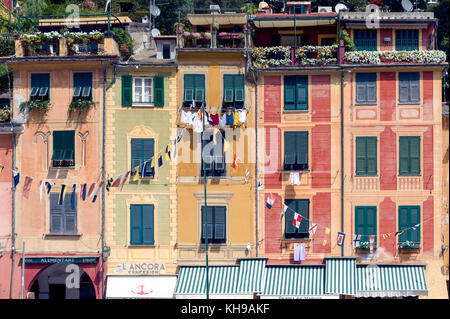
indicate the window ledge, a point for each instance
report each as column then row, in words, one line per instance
column 294, row 171
column 140, row 246
column 296, row 111
column 409, row 104
column 141, row 104
column 409, row 175
column 366, row 104
column 66, row 236
column 363, row 176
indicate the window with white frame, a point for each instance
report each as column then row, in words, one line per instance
column 142, row 90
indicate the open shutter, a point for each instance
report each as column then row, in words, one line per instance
column 158, row 90
column 188, row 87
column 414, row 155
column 302, row 149
column 360, row 223
column 228, row 88
column 148, row 235
column 361, row 151
column 372, row 221
column 302, row 92
column 127, row 90
column 289, row 149
column 371, row 155
column 136, row 149
column 403, row 155
column 56, row 215
column 303, row 210
column 290, row 229
column 148, row 151
column 239, row 95
column 289, row 92
column 136, row 225
column 414, row 219
column 403, row 217
column 199, row 87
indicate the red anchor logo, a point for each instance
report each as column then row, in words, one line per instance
column 141, row 291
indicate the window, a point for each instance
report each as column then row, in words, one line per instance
column 296, row 151
column 215, row 161
column 408, row 217
column 409, row 155
column 289, row 40
column 296, row 92
column 40, row 87
column 365, row 40
column 328, row 41
column 233, row 91
column 409, row 87
column 82, row 86
column 142, row 230
column 366, row 224
column 216, row 224
column 366, row 156
column 299, row 9
column 301, row 206
column 406, row 40
column 143, row 149
column 194, row 90
column 63, row 149
column 142, row 91
column 63, row 220
column 366, row 88
column 166, row 51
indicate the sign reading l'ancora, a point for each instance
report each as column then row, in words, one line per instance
column 140, row 269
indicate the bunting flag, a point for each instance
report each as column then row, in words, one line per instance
column 27, row 186
column 327, row 231
column 236, row 161
column 116, row 182
column 83, row 191
column 297, row 220
column 372, row 242
column 91, row 190
column 109, row 183
column 16, row 178
column 324, row 243
column 168, row 149
column 96, row 193
column 356, row 240
column 41, row 185
column 1, row 168
column 160, row 159
column 399, row 232
column 179, row 137
column 72, row 198
column 124, row 179
column 415, row 227
column 226, row 145
column 135, row 174
column 49, row 185
column 152, row 164
column 340, row 239
column 312, row 229
column 269, row 203
column 62, row 194
column 247, row 174
column 260, row 186
column 285, row 208
column 385, row 236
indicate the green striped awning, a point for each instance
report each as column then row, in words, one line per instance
column 340, row 276
column 192, row 280
column 391, row 280
column 251, row 275
column 294, row 281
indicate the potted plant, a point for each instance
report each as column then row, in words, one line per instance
column 28, row 106
column 80, row 105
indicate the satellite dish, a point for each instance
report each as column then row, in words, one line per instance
column 263, row 5
column 155, row 33
column 340, row 7
column 154, row 10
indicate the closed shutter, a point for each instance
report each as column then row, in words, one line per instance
column 414, row 155
column 403, row 155
column 403, row 87
column 290, row 229
column 403, row 213
column 56, row 215
column 228, row 88
column 409, row 216
column 371, row 82
column 302, row 92
column 219, row 223
column 361, row 88
column 148, row 236
column 158, row 90
column 239, row 95
column 360, row 223
column 136, row 149
column 127, row 90
column 289, row 149
column 303, row 210
column 70, row 216
column 414, row 219
column 302, row 149
column 209, row 222
column 372, row 221
column 136, row 225
column 414, row 86
column 289, row 92
column 189, row 87
column 199, row 87
column 148, row 151
column 371, row 155
column 361, row 156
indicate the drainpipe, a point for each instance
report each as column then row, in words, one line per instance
column 105, row 88
column 13, row 218
column 342, row 157
column 256, row 166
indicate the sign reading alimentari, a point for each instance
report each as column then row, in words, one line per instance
column 57, row 260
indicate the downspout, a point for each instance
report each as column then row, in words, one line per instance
column 342, row 130
column 105, row 88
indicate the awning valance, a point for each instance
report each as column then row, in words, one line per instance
column 391, row 281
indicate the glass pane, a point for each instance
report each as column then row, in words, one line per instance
column 77, row 91
column 43, row 91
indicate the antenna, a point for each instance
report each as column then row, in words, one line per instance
column 340, row 7
column 155, row 32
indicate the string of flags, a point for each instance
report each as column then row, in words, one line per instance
column 298, row 218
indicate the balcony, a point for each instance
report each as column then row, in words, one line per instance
column 212, row 40
column 410, row 183
column 285, row 56
column 54, row 44
column 366, row 183
column 394, row 57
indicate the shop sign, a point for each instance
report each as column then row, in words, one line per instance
column 140, row 269
column 57, row 260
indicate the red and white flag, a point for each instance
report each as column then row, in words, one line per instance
column 116, row 182
column 27, row 186
column 312, row 229
column 297, row 220
column 125, row 179
column 371, row 242
column 91, row 190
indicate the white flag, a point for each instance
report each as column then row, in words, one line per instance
column 312, row 229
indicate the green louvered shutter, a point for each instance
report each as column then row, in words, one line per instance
column 148, row 228
column 219, row 223
column 403, row 213
column 289, row 92
column 239, row 95
column 289, row 229
column 289, row 149
column 403, row 155
column 210, row 223
column 371, row 212
column 361, row 156
column 228, row 88
column 409, row 216
column 371, row 82
column 414, row 86
column 188, row 87
column 158, row 82
column 403, row 87
column 371, row 155
column 303, row 210
column 302, row 92
column 136, row 225
column 414, row 219
column 56, row 215
column 199, row 87
column 360, row 223
column 127, row 90
column 302, row 149
column 414, row 155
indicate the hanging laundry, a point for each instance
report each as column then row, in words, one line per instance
column 236, row 119
column 186, row 117
column 230, row 119
column 299, row 252
column 197, row 123
column 295, row 178
column 242, row 116
column 222, row 120
column 214, row 119
column 27, row 186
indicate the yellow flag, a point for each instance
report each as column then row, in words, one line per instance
column 153, row 162
column 168, row 149
column 324, row 242
column 327, row 231
column 226, row 146
column 1, row 168
column 135, row 174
